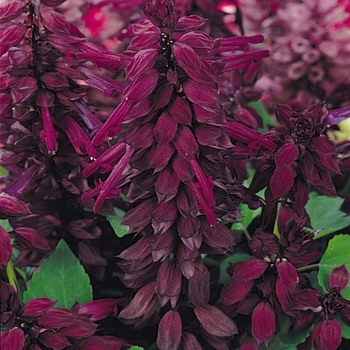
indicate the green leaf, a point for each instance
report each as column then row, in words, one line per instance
column 61, row 277
column 248, row 216
column 325, row 214
column 115, row 221
column 6, row 225
column 135, row 347
column 336, row 254
column 267, row 120
column 236, row 257
column 286, row 340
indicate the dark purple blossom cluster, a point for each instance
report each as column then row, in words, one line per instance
column 174, row 155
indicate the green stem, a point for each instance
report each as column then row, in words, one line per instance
column 246, row 233
column 308, row 267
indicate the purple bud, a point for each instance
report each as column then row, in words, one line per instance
column 263, row 323
column 168, row 285
column 99, row 309
column 199, row 288
column 339, row 277
column 30, row 238
column 327, row 335
column 169, row 331
column 102, row 343
column 215, row 322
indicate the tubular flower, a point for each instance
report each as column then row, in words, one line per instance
column 168, row 159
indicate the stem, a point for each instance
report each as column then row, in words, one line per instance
column 245, row 231
column 308, row 267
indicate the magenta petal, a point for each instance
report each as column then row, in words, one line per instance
column 169, row 331
column 11, row 10
column 51, row 339
column 201, row 94
column 215, row 322
column 37, row 307
column 339, row 277
column 281, row 181
column 12, row 206
column 13, row 339
column 99, row 309
column 189, row 23
column 327, row 336
column 185, row 143
column 236, row 290
column 286, row 155
column 112, row 125
column 165, row 128
column 250, row 269
column 288, row 274
column 181, row 111
column 263, row 323
column 141, row 62
column 142, row 86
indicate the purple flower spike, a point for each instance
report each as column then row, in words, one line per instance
column 48, row 135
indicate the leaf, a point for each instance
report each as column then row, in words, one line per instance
column 115, row 221
column 6, row 225
column 135, row 347
column 325, row 214
column 286, row 340
column 267, row 119
column 233, row 259
column 336, row 254
column 61, row 277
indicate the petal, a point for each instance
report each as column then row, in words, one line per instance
column 286, row 155
column 250, row 269
column 168, row 280
column 236, row 290
column 281, row 181
column 327, row 336
column 37, row 307
column 99, row 309
column 140, row 302
column 30, row 238
column 263, row 323
column 13, row 339
column 185, row 143
column 169, row 331
column 142, row 86
column 199, row 288
column 288, row 274
column 165, row 128
column 181, row 111
column 54, row 340
column 189, row 23
column 141, row 62
column 201, row 94
column 215, row 322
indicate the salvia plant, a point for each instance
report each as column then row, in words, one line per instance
column 175, row 174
